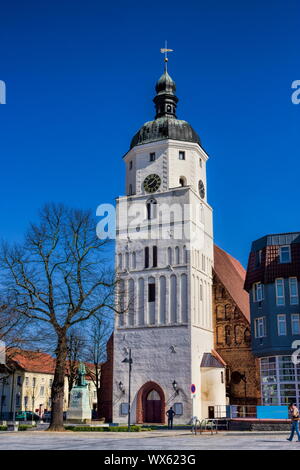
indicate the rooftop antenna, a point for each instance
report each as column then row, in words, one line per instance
column 165, row 51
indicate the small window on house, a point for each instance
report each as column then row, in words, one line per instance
column 181, row 155
column 42, row 391
column 293, row 283
column 280, row 297
column 130, row 190
column 146, row 257
column 18, row 400
column 26, row 380
column 281, row 324
column 200, row 162
column 285, row 254
column 151, row 292
column 19, row 380
column 260, row 327
column 130, row 165
column 152, row 157
column 258, row 292
column 295, row 320
column 182, row 181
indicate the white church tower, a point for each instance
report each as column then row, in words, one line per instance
column 164, row 259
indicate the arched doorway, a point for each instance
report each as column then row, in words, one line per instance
column 151, row 407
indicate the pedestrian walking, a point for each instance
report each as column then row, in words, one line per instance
column 170, row 413
column 294, row 414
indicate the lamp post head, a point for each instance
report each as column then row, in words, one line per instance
column 175, row 387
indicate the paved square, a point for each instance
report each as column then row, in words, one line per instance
column 155, row 440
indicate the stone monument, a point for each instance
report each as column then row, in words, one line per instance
column 79, row 410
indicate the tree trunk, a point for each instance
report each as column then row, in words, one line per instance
column 58, row 386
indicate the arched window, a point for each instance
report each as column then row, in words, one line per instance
column 228, row 335
column 151, row 209
column 177, row 260
column 131, row 302
column 127, row 260
column 120, row 261
column 170, row 258
column 146, row 257
column 154, row 256
column 182, row 181
column 185, row 260
column 133, row 260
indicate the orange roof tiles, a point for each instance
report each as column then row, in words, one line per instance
column 33, row 361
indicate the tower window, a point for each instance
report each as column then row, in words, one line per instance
column 130, row 165
column 182, row 181
column 130, row 190
column 151, row 292
column 154, row 256
column 200, row 162
column 152, row 157
column 151, row 209
column 146, row 257
column 181, row 155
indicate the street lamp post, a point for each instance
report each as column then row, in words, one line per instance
column 129, row 362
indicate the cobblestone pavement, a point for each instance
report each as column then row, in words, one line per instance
column 155, row 440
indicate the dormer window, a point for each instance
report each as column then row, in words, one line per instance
column 152, row 157
column 181, row 155
column 258, row 258
column 285, row 254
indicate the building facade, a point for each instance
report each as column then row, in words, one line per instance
column 233, row 331
column 164, row 260
column 273, row 283
column 26, row 381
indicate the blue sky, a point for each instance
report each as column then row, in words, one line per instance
column 80, row 81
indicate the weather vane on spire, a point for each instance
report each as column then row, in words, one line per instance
column 165, row 51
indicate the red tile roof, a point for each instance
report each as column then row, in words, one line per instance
column 232, row 275
column 32, row 361
column 36, row 361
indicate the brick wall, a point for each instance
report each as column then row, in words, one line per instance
column 233, row 343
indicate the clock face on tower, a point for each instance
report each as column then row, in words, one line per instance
column 151, row 183
column 201, row 189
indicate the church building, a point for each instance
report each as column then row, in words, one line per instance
column 164, row 262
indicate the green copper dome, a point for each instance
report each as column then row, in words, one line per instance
column 166, row 125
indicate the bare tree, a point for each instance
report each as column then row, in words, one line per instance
column 59, row 276
column 99, row 333
column 75, row 342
